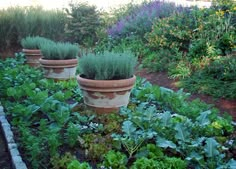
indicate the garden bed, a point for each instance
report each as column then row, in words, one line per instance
column 158, row 129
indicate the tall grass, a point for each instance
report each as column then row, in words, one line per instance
column 19, row 22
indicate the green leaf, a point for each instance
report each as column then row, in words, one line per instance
column 211, row 147
column 161, row 142
column 165, row 118
column 194, row 155
column 128, row 128
column 182, row 132
column 203, row 118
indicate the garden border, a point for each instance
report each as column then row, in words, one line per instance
column 17, row 162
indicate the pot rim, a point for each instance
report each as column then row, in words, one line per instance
column 32, row 52
column 58, row 63
column 106, row 85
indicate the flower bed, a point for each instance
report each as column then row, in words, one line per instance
column 158, row 129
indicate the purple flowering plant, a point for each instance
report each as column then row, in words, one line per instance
column 139, row 21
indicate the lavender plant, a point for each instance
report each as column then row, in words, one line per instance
column 139, row 21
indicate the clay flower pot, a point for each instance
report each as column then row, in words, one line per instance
column 105, row 96
column 59, row 69
column 32, row 57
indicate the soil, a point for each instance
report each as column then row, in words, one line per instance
column 5, row 162
column 161, row 79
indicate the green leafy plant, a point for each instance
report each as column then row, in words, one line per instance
column 59, row 51
column 115, row 160
column 72, row 134
column 75, row 164
column 33, row 42
column 146, row 163
column 107, row 66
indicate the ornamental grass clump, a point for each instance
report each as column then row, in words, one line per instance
column 59, row 51
column 34, row 42
column 107, row 66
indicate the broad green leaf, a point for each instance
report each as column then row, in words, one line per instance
column 211, row 147
column 182, row 132
column 161, row 142
column 128, row 128
column 203, row 118
column 232, row 163
column 194, row 156
column 165, row 118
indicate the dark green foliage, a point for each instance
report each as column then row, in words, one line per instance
column 108, row 66
column 84, row 22
column 146, row 163
column 217, row 79
column 158, row 122
column 151, row 151
column 34, row 42
column 59, row 51
column 77, row 165
column 115, row 160
column 72, row 134
column 167, row 163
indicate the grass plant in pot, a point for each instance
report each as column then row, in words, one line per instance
column 31, row 49
column 59, row 60
column 106, row 80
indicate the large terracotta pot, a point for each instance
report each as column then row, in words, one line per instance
column 106, row 96
column 59, row 69
column 32, row 57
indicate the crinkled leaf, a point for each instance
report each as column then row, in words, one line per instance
column 128, row 128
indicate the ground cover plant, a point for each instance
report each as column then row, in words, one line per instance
column 158, row 129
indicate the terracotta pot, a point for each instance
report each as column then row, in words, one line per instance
column 105, row 96
column 59, row 69
column 32, row 57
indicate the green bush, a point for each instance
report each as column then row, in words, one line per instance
column 33, row 42
column 107, row 66
column 59, row 51
column 83, row 24
column 19, row 22
column 217, row 79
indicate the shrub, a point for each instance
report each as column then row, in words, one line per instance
column 139, row 21
column 33, row 42
column 83, row 24
column 217, row 79
column 107, row 66
column 59, row 51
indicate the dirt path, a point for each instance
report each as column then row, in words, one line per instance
column 5, row 162
column 162, row 79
